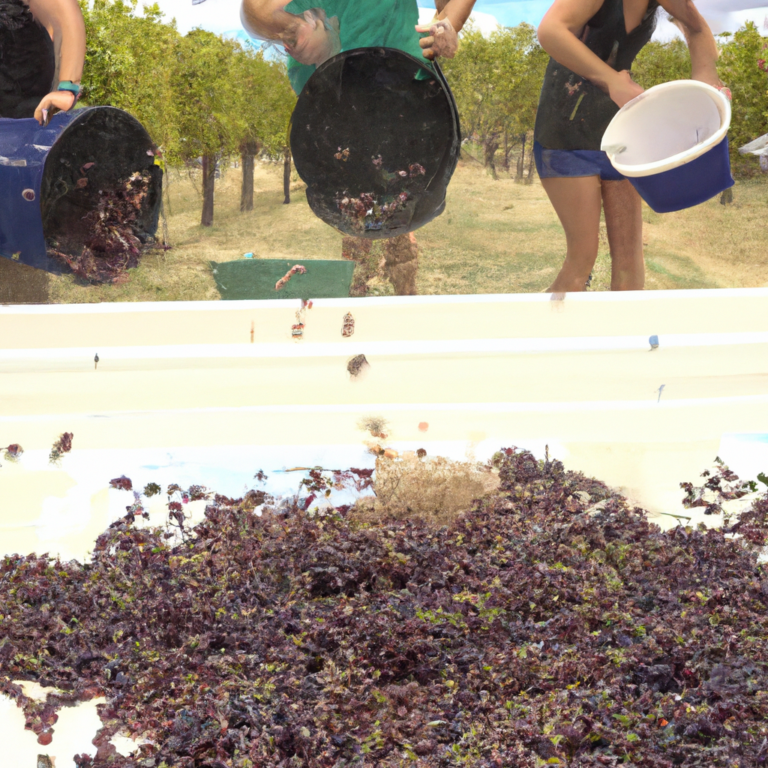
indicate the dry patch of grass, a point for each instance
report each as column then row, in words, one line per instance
column 495, row 236
column 434, row 489
column 271, row 230
column 500, row 237
column 711, row 245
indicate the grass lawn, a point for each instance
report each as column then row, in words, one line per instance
column 494, row 237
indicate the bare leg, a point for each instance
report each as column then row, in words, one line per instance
column 355, row 248
column 624, row 223
column 400, row 262
column 358, row 249
column 577, row 202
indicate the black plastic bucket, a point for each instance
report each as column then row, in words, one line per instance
column 375, row 135
column 42, row 195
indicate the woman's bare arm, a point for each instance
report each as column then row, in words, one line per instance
column 64, row 19
column 443, row 38
column 457, row 11
column 559, row 34
column 698, row 35
column 64, row 22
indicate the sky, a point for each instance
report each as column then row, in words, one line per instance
column 223, row 16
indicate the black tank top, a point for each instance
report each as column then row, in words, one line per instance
column 27, row 62
column 573, row 113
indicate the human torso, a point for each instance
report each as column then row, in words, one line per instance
column 27, row 61
column 14, row 14
column 386, row 23
column 573, row 112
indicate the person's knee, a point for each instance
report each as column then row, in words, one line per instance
column 628, row 279
column 582, row 249
column 579, row 267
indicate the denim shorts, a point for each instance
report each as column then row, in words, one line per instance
column 560, row 163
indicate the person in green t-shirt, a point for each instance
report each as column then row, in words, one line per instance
column 312, row 34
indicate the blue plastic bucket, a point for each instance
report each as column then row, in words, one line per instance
column 41, row 168
column 670, row 142
column 24, row 147
column 689, row 184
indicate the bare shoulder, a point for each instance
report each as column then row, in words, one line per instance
column 45, row 9
column 684, row 11
column 574, row 14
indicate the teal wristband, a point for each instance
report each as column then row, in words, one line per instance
column 73, row 88
column 68, row 85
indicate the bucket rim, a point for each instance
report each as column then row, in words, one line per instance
column 681, row 158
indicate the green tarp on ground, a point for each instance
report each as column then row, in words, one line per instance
column 256, row 278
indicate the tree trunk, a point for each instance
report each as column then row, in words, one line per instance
column 529, row 179
column 521, row 159
column 287, row 175
column 247, row 154
column 490, row 145
column 505, row 162
column 400, row 263
column 209, row 180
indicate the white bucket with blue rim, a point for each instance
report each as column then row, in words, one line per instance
column 671, row 143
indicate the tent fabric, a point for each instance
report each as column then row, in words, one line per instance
column 24, row 146
column 256, row 278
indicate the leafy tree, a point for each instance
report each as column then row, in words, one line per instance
column 661, row 62
column 525, row 96
column 128, row 64
column 496, row 82
column 266, row 101
column 206, row 91
column 743, row 69
column 472, row 76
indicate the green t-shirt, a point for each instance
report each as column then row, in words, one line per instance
column 362, row 24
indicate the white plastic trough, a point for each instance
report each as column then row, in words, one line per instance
column 182, row 394
column 211, row 392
